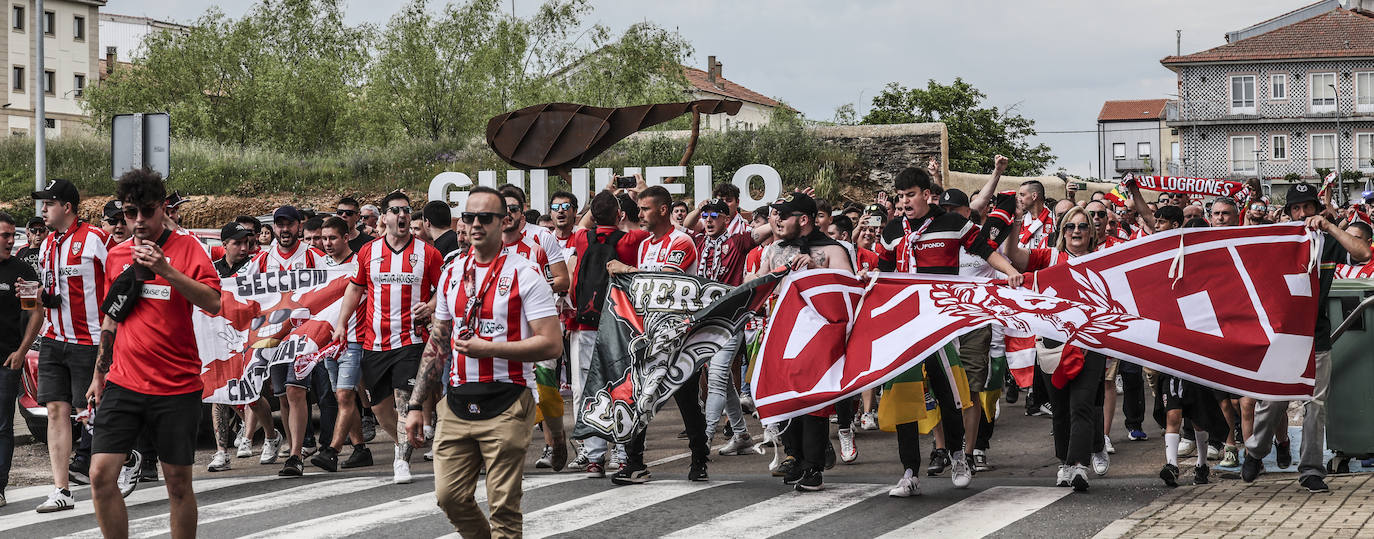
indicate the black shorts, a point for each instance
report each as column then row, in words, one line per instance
column 1194, row 400
column 65, row 371
column 170, row 421
column 282, row 375
column 386, row 371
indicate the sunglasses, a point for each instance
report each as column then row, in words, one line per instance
column 483, row 217
column 131, row 211
column 346, row 213
column 399, row 209
column 1098, row 214
column 1077, row 226
column 114, row 221
column 513, row 208
column 1258, row 207
column 711, row 214
column 561, row 206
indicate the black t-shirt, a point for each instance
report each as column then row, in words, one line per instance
column 1332, row 253
column 447, row 242
column 29, row 254
column 12, row 318
column 225, row 270
column 357, row 243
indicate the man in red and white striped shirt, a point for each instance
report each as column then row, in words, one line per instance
column 396, row 278
column 72, row 270
column 495, row 317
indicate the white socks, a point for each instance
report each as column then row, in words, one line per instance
column 1200, row 436
column 1171, row 447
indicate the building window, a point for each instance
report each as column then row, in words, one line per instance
column 18, row 76
column 1243, row 94
column 49, row 123
column 79, row 28
column 49, row 82
column 1364, row 151
column 1322, row 88
column 1278, row 87
column 79, row 84
column 1142, row 149
column 1278, row 147
column 1118, row 150
column 18, row 18
column 49, row 23
column 1364, row 92
column 1243, row 155
column 1173, row 151
column 1323, row 151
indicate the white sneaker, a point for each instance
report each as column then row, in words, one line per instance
column 618, row 457
column 1062, row 478
column 740, row 444
column 1213, row 453
column 219, row 462
column 848, row 451
column 959, row 472
column 245, row 448
column 907, row 486
column 400, row 470
column 271, row 447
column 746, row 404
column 869, row 421
column 128, row 474
column 1101, row 462
column 771, row 435
column 1079, row 477
column 284, row 451
column 57, row 501
column 429, row 433
column 1107, row 445
column 1186, row 448
column 546, row 459
column 429, row 456
column 241, row 438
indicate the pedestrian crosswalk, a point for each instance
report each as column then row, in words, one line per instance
column 368, row 505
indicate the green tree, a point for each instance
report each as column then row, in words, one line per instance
column 976, row 133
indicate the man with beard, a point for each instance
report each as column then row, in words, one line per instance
column 563, row 210
column 348, row 210
column 235, row 238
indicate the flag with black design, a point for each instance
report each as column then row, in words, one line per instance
column 656, row 330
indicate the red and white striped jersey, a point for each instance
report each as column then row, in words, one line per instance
column 1365, row 271
column 513, row 292
column 737, row 225
column 547, row 240
column 396, row 281
column 356, row 332
column 274, row 259
column 72, row 267
column 675, row 250
column 528, row 248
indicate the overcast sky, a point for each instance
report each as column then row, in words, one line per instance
column 1055, row 62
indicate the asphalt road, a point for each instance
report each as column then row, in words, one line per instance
column 1016, row 499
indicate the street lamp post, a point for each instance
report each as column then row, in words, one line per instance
column 40, row 140
column 1340, row 193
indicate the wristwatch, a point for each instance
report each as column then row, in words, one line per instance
column 414, row 408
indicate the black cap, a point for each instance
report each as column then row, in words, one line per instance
column 795, row 203
column 114, row 209
column 35, row 221
column 1302, row 192
column 954, row 198
column 59, row 190
column 175, row 199
column 716, row 205
column 288, row 212
column 234, row 231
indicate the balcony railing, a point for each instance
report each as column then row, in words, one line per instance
column 1135, row 164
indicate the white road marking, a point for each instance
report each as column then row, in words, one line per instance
column 589, row 510
column 782, row 512
column 982, row 513
column 680, row 456
column 141, row 496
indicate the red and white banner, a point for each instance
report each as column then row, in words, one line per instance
column 1193, row 186
column 265, row 319
column 1238, row 313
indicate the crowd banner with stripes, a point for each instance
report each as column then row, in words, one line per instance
column 1232, row 308
column 1192, row 186
column 656, row 330
column 264, row 319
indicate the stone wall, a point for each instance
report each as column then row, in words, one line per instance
column 887, row 149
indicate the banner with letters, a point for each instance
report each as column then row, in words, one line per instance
column 656, row 331
column 266, row 319
column 1232, row 308
column 1194, row 186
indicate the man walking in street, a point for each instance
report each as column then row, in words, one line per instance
column 18, row 329
column 345, row 371
column 494, row 318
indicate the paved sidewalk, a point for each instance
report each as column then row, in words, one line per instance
column 1269, row 507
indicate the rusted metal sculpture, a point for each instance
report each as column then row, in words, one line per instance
column 562, row 136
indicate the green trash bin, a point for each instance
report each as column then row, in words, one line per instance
column 1350, row 403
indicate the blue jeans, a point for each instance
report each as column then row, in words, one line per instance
column 9, row 395
column 720, row 389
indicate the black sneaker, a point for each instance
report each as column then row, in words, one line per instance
column 810, row 481
column 631, row 474
column 293, row 468
column 785, row 468
column 682, row 435
column 1283, row 454
column 1200, row 474
column 327, row 459
column 148, row 473
column 362, row 456
column 728, row 431
column 1250, row 468
column 78, row 471
column 1314, row 484
column 794, row 474
column 829, row 455
column 698, row 472
column 939, row 460
column 1169, row 473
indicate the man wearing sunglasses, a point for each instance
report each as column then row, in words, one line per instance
column 113, row 223
column 395, row 281
column 1257, row 214
column 348, row 209
column 727, row 193
column 563, row 210
column 1101, row 218
column 558, row 261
